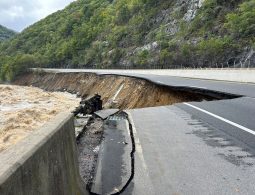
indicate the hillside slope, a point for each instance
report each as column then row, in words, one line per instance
column 137, row 34
column 5, row 33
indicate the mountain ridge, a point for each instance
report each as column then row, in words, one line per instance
column 137, row 34
column 6, row 33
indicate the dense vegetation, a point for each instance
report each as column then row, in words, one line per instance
column 133, row 33
column 5, row 33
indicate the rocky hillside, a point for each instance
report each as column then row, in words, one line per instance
column 5, row 33
column 137, row 34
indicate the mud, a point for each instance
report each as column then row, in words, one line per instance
column 116, row 91
column 25, row 109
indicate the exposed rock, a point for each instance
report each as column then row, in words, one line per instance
column 149, row 47
column 164, row 16
column 192, row 8
column 248, row 58
column 172, row 27
column 185, row 8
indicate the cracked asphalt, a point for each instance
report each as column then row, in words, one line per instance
column 179, row 153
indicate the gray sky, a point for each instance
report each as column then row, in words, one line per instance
column 19, row 14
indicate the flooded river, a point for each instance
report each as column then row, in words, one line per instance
column 25, row 109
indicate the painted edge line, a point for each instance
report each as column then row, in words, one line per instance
column 222, row 119
column 197, row 87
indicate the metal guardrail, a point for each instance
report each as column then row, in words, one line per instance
column 155, row 67
column 233, row 64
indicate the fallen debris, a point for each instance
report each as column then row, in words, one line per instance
column 89, row 106
column 80, row 122
column 104, row 114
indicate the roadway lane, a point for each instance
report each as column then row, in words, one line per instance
column 243, row 109
column 179, row 154
column 243, row 89
column 235, row 117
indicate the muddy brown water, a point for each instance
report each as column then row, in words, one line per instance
column 24, row 109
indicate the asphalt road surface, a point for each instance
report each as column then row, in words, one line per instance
column 180, row 153
column 195, row 147
column 244, row 89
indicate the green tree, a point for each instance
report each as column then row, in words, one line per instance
column 6, row 73
column 241, row 23
column 142, row 58
column 166, row 57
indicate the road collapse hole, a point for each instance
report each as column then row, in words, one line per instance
column 110, row 92
column 119, row 91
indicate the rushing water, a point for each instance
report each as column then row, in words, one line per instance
column 25, row 109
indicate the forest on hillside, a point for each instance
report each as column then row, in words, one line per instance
column 134, row 34
column 5, row 33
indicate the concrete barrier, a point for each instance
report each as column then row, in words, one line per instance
column 45, row 162
column 233, row 75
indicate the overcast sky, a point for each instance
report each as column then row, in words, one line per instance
column 18, row 14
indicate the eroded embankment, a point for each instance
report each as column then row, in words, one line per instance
column 116, row 91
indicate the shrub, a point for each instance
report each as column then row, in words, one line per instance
column 241, row 23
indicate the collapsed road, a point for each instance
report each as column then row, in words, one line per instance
column 202, row 147
column 118, row 139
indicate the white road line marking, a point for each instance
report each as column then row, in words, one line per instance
column 197, row 87
column 118, row 91
column 249, row 98
column 160, row 82
column 222, row 119
column 138, row 146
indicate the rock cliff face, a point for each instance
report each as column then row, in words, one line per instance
column 192, row 7
column 176, row 25
column 168, row 22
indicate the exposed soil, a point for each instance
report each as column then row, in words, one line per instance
column 116, row 91
column 25, row 109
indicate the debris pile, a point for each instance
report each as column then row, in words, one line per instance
column 89, row 106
